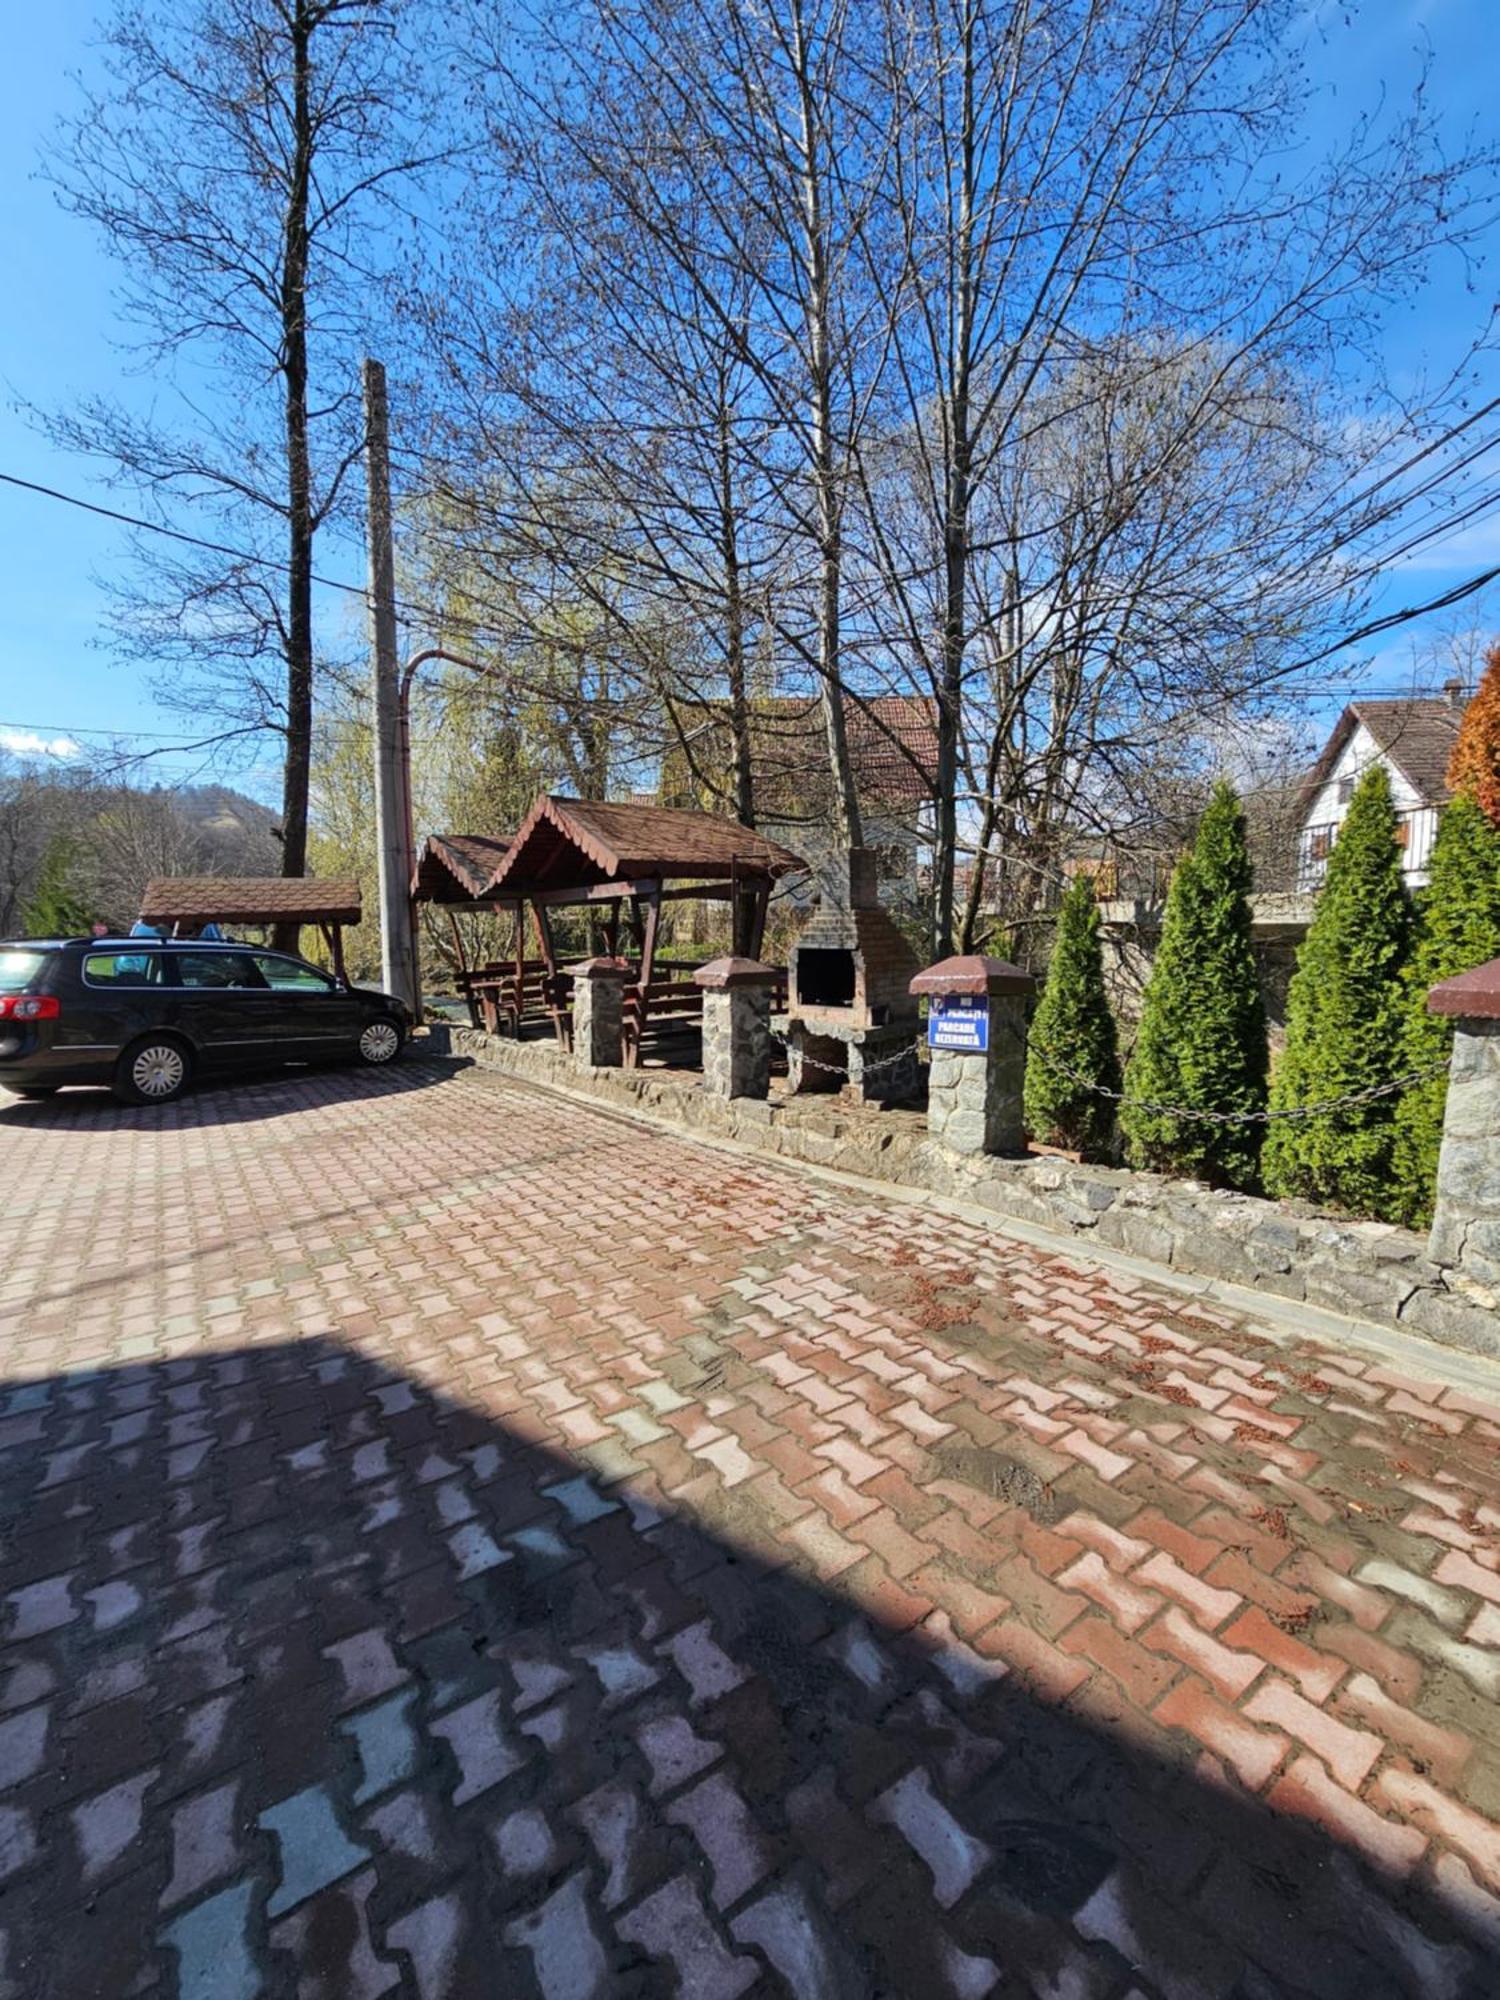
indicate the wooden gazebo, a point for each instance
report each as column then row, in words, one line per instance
column 626, row 859
column 454, row 869
column 181, row 903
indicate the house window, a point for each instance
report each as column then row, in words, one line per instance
column 1320, row 844
column 1346, row 790
column 1403, row 833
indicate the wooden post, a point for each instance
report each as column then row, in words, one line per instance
column 518, row 985
column 634, row 1030
column 758, row 911
column 549, row 959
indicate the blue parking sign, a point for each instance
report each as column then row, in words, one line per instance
column 959, row 1021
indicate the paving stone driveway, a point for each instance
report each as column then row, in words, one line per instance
column 458, row 1543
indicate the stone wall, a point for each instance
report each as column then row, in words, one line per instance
column 1466, row 1232
column 1368, row 1270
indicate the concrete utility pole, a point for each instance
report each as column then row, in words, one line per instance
column 398, row 943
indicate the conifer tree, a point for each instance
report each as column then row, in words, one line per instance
column 1073, row 1023
column 1474, row 766
column 1202, row 1038
column 56, row 909
column 1457, row 927
column 1345, row 1018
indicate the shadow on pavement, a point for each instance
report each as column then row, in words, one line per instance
column 317, row 1682
column 249, row 1097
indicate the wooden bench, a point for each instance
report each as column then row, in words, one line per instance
column 503, row 1001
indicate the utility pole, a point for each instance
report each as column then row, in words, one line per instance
column 398, row 943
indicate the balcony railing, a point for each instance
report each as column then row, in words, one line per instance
column 1316, row 844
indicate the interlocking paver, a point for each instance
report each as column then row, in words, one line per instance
column 456, row 1541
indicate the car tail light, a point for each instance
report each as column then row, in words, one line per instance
column 29, row 1007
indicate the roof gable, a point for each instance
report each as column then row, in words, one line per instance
column 579, row 843
column 457, row 867
column 1416, row 736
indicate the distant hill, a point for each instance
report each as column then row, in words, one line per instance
column 219, row 810
column 105, row 840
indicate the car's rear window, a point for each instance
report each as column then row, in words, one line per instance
column 19, row 968
column 122, row 968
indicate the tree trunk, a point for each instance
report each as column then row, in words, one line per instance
column 847, row 829
column 956, row 504
column 299, row 632
column 741, row 765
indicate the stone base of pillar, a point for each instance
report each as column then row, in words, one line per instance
column 1466, row 1221
column 599, row 1013
column 736, row 1026
column 975, row 1093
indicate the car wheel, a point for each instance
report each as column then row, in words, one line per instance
column 154, row 1071
column 380, row 1041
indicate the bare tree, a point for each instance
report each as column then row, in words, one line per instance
column 1101, row 235
column 245, row 161
column 700, row 172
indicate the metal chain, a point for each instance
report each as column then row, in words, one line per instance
column 1185, row 1111
column 842, row 1069
column 1368, row 1096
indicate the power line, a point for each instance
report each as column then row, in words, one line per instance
column 69, row 729
column 448, row 619
column 172, row 534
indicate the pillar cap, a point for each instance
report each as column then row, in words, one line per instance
column 1475, row 994
column 973, row 974
column 722, row 973
column 602, row 968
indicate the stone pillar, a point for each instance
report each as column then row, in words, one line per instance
column 599, row 1013
column 1466, row 1222
column 975, row 1082
column 736, row 1026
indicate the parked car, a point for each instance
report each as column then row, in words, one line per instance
column 147, row 1015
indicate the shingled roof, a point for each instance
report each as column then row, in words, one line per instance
column 579, row 843
column 892, row 754
column 250, row 899
column 1417, row 735
column 456, row 867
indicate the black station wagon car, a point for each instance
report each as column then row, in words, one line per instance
column 145, row 1015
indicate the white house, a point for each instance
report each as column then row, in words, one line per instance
column 1413, row 740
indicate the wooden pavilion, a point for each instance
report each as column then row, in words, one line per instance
column 627, row 861
column 185, row 903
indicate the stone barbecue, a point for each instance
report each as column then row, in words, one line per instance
column 848, row 1001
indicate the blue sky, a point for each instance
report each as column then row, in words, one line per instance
column 57, row 679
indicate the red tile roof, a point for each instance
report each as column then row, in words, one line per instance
column 250, row 899
column 892, row 751
column 893, row 746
